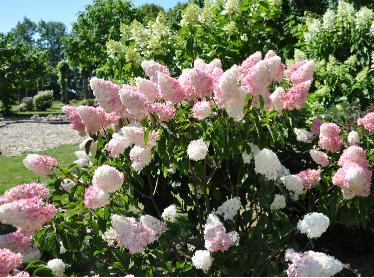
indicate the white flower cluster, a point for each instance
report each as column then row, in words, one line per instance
column 311, row 264
column 57, row 266
column 159, row 227
column 169, row 213
column 202, row 260
column 279, row 202
column 229, row 208
column 294, row 184
column 197, row 150
column 267, row 164
column 313, row 224
column 234, row 238
column 303, row 135
column 353, row 138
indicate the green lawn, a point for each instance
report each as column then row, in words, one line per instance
column 13, row 172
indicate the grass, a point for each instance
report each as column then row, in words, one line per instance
column 13, row 172
column 55, row 109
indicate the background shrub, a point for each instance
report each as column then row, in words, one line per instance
column 43, row 100
column 26, row 104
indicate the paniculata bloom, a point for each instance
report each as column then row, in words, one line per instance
column 24, row 191
column 276, row 99
column 354, row 154
column 234, row 238
column 301, row 71
column 303, row 135
column 367, row 121
column 310, row 177
column 9, row 261
column 279, row 202
column 41, row 165
column 354, row 180
column 132, row 234
column 169, row 88
column 27, row 214
column 295, row 98
column 267, row 164
column 107, row 178
column 152, row 68
column 215, row 236
column 316, row 125
column 57, row 266
column 313, row 224
column 117, row 145
column 293, row 183
column 201, row 110
column 354, row 176
column 353, row 138
column 165, row 111
column 190, row 15
column 94, row 118
column 231, row 7
column 147, row 88
column 311, row 264
column 106, row 94
column 197, row 150
column 75, row 120
column 140, row 157
column 229, row 208
column 83, row 159
column 202, row 260
column 319, row 157
column 134, row 102
column 19, row 242
column 94, row 197
column 159, row 227
column 169, row 213
column 329, row 137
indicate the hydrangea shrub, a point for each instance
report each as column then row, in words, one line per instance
column 206, row 173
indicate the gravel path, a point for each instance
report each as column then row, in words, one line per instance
column 16, row 138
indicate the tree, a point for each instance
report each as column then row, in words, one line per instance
column 51, row 39
column 98, row 23
column 149, row 11
column 22, row 68
column 25, row 31
column 63, row 73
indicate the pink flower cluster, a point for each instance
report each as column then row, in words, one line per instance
column 19, row 242
column 367, row 121
column 9, row 261
column 41, row 165
column 23, row 207
column 329, row 137
column 309, row 177
column 24, row 191
column 216, row 238
column 141, row 153
column 316, row 125
column 201, row 110
column 106, row 94
column 320, row 157
column 88, row 119
column 131, row 234
column 311, row 264
column 29, row 215
column 353, row 176
column 75, row 120
column 106, row 179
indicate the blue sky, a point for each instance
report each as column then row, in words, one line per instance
column 12, row 11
